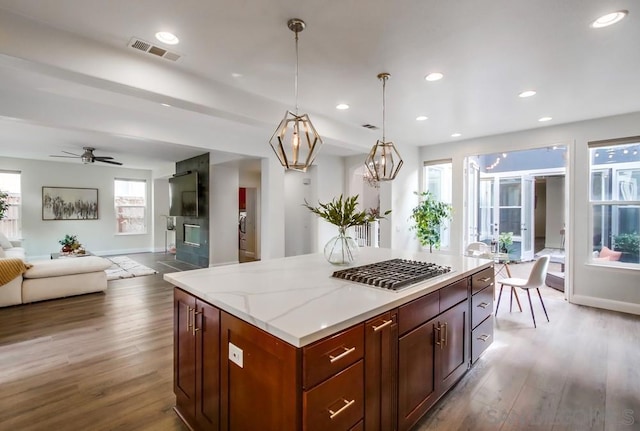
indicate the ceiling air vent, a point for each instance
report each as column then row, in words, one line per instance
column 144, row 46
column 370, row 127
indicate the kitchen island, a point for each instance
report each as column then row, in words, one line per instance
column 282, row 345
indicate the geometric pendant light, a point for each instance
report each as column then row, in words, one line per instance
column 383, row 161
column 296, row 142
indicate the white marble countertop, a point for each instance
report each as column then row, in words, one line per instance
column 297, row 300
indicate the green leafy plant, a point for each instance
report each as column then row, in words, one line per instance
column 505, row 242
column 4, row 203
column 70, row 241
column 628, row 243
column 344, row 213
column 428, row 218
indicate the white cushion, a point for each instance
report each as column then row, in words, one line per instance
column 2, row 253
column 67, row 266
column 14, row 252
column 4, row 241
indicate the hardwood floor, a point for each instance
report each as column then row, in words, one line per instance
column 104, row 362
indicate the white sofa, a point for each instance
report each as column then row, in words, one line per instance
column 56, row 278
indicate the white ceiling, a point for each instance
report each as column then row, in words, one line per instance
column 68, row 78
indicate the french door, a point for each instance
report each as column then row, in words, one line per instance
column 506, row 204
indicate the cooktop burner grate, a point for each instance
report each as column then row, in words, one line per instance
column 392, row 274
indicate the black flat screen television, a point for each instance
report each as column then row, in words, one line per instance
column 183, row 195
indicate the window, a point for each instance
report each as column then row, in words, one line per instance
column 130, row 198
column 10, row 225
column 615, row 200
column 438, row 181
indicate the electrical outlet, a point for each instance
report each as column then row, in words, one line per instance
column 235, row 355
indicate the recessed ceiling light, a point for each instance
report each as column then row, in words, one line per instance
column 609, row 19
column 456, row 135
column 168, row 38
column 236, row 75
column 434, row 76
column 166, row 104
column 543, row 119
column 421, row 118
column 527, row 93
column 342, row 106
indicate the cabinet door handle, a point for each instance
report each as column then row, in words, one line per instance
column 332, row 358
column 189, row 325
column 483, row 305
column 437, row 334
column 484, row 337
column 195, row 313
column 446, row 335
column 346, row 405
column 384, row 324
column 484, row 279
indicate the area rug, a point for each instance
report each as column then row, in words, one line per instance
column 124, row 267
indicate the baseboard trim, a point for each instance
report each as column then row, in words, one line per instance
column 606, row 304
column 233, row 262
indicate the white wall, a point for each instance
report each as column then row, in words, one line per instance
column 555, row 212
column 160, row 208
column 540, row 213
column 330, row 183
column 223, row 214
column 273, row 204
column 588, row 284
column 297, row 218
column 98, row 236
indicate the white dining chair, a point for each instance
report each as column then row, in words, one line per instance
column 535, row 281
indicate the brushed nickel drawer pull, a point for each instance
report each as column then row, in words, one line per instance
column 332, row 358
column 384, row 325
column 483, row 305
column 484, row 337
column 437, row 334
column 346, row 405
column 484, row 279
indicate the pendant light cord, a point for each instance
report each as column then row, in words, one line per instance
column 384, row 83
column 296, row 80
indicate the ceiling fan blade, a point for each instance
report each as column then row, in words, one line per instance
column 102, row 158
column 66, row 157
column 66, row 152
column 108, row 161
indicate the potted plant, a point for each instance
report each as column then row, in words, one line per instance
column 69, row 243
column 4, row 203
column 343, row 213
column 428, row 218
column 505, row 242
column 629, row 245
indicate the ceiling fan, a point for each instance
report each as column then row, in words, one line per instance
column 89, row 157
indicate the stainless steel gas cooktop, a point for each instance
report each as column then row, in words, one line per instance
column 392, row 274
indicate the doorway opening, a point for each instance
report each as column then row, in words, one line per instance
column 517, row 199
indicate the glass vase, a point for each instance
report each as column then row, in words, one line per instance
column 341, row 249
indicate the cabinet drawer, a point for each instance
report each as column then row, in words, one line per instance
column 481, row 305
column 327, row 357
column 453, row 294
column 336, row 404
column 481, row 338
column 417, row 312
column 481, row 279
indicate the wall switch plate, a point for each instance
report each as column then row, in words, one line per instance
column 235, row 355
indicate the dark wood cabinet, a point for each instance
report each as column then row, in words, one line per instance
column 262, row 393
column 433, row 356
column 380, row 373
column 196, row 360
column 383, row 374
column 482, row 291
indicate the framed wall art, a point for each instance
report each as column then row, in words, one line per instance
column 69, row 203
